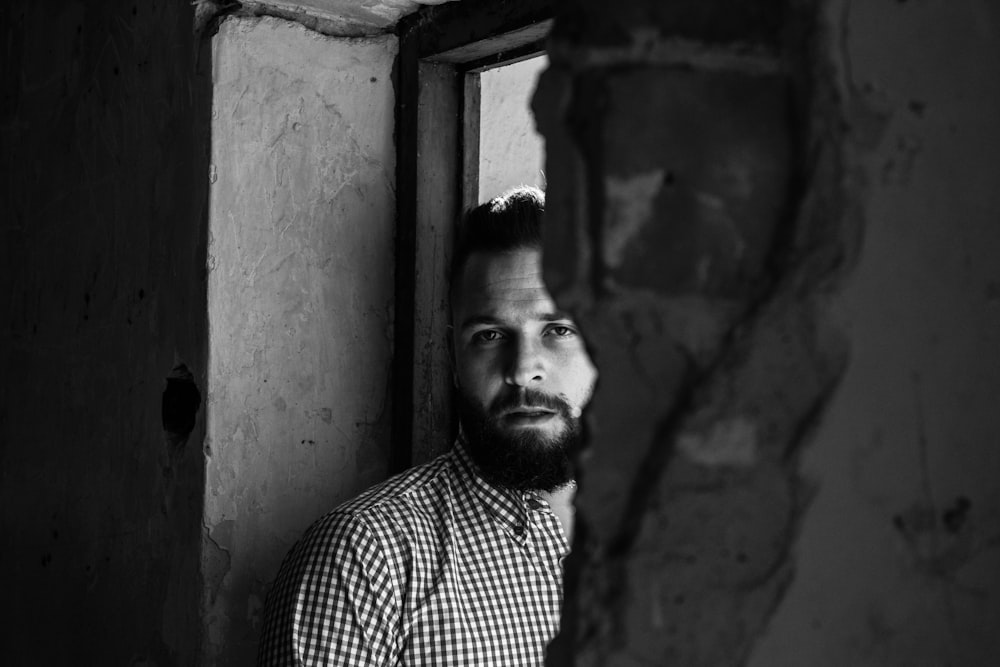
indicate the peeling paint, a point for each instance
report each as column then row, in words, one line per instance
column 217, row 562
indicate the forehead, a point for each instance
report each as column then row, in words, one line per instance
column 499, row 283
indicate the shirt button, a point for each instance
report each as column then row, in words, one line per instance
column 519, row 531
column 534, row 504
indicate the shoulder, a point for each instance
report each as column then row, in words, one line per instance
column 410, row 491
column 351, row 568
column 380, row 513
column 338, row 594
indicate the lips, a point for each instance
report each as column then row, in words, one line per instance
column 528, row 416
column 529, row 407
column 529, row 410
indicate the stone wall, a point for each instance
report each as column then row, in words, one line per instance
column 774, row 224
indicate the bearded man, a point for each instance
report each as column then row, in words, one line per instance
column 459, row 561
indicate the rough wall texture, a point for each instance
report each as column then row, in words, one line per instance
column 711, row 166
column 300, row 301
column 103, row 123
column 346, row 18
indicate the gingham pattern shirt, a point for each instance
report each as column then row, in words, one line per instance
column 432, row 567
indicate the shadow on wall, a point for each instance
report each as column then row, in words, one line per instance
column 104, row 125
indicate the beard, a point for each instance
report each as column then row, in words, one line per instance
column 520, row 459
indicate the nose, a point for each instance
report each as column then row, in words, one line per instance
column 526, row 365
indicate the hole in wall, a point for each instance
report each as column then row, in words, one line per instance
column 179, row 407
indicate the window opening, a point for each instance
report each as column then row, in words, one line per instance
column 511, row 152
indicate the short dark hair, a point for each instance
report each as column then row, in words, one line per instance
column 510, row 221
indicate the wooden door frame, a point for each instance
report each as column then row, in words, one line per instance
column 442, row 50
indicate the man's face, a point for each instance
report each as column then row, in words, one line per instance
column 522, row 371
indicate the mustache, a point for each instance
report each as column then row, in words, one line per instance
column 529, row 398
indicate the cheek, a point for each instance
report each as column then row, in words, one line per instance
column 475, row 378
column 581, row 376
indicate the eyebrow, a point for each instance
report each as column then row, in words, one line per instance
column 487, row 320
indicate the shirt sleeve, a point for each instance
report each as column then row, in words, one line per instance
column 333, row 601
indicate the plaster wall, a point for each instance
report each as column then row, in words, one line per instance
column 103, row 123
column 300, row 301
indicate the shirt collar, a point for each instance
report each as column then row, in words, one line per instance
column 506, row 506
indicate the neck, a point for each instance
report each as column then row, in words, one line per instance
column 561, row 502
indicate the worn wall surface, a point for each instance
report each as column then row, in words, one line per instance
column 103, row 123
column 300, row 301
column 777, row 224
column 354, row 18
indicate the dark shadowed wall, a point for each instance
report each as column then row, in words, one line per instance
column 898, row 556
column 104, row 125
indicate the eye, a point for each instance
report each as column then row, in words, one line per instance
column 487, row 336
column 561, row 331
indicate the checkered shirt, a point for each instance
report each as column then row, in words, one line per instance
column 432, row 567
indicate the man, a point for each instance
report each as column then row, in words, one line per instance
column 459, row 561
